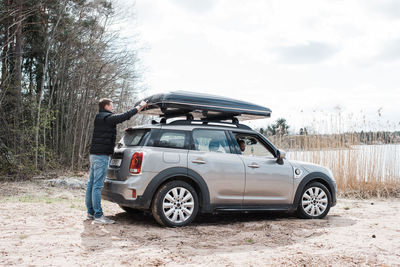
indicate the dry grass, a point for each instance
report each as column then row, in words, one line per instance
column 362, row 169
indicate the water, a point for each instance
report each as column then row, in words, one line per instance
column 366, row 162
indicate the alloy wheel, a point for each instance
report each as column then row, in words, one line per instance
column 178, row 205
column 314, row 201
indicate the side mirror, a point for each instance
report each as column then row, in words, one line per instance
column 281, row 155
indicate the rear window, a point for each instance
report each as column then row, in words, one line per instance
column 134, row 137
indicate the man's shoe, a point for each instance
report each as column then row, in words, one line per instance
column 103, row 220
column 89, row 217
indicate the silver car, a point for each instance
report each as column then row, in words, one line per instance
column 179, row 169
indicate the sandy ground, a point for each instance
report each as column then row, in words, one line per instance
column 44, row 225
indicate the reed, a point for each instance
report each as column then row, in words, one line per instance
column 363, row 165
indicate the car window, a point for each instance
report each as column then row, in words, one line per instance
column 252, row 146
column 210, row 141
column 171, row 139
column 133, row 137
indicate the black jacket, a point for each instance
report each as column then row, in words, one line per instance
column 105, row 130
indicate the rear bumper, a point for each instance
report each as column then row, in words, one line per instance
column 120, row 193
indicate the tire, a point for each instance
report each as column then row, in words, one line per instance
column 175, row 204
column 315, row 201
column 130, row 210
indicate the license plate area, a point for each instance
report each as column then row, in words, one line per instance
column 115, row 162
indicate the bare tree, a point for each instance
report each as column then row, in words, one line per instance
column 57, row 59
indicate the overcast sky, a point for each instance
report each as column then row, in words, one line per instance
column 306, row 60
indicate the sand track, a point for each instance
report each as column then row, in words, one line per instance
column 44, row 225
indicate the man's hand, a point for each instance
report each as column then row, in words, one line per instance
column 141, row 106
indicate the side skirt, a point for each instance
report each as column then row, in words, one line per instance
column 273, row 207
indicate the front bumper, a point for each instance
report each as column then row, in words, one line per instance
column 334, row 195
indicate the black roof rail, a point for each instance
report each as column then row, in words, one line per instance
column 207, row 122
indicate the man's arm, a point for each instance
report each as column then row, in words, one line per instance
column 118, row 118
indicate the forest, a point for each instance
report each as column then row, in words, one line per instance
column 57, row 59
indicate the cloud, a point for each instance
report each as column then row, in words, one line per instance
column 197, row 6
column 309, row 53
column 390, row 51
column 387, row 8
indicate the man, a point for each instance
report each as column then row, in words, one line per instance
column 103, row 142
column 242, row 145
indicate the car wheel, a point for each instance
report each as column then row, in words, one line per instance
column 175, row 204
column 130, row 210
column 315, row 201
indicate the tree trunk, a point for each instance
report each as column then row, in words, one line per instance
column 41, row 91
column 18, row 52
column 18, row 78
column 4, row 62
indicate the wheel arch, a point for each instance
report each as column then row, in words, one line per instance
column 183, row 174
column 315, row 177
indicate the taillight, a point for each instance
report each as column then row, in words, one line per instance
column 133, row 193
column 136, row 163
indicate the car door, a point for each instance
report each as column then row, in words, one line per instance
column 222, row 170
column 267, row 182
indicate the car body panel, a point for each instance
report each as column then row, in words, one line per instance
column 223, row 173
column 269, row 182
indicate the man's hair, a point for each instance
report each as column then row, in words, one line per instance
column 104, row 102
column 240, row 141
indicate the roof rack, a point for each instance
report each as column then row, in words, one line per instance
column 209, row 123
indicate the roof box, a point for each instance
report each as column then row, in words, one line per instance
column 203, row 107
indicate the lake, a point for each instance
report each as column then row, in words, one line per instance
column 363, row 162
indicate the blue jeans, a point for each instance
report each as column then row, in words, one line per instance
column 98, row 172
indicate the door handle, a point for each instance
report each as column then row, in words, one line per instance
column 254, row 165
column 198, row 161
